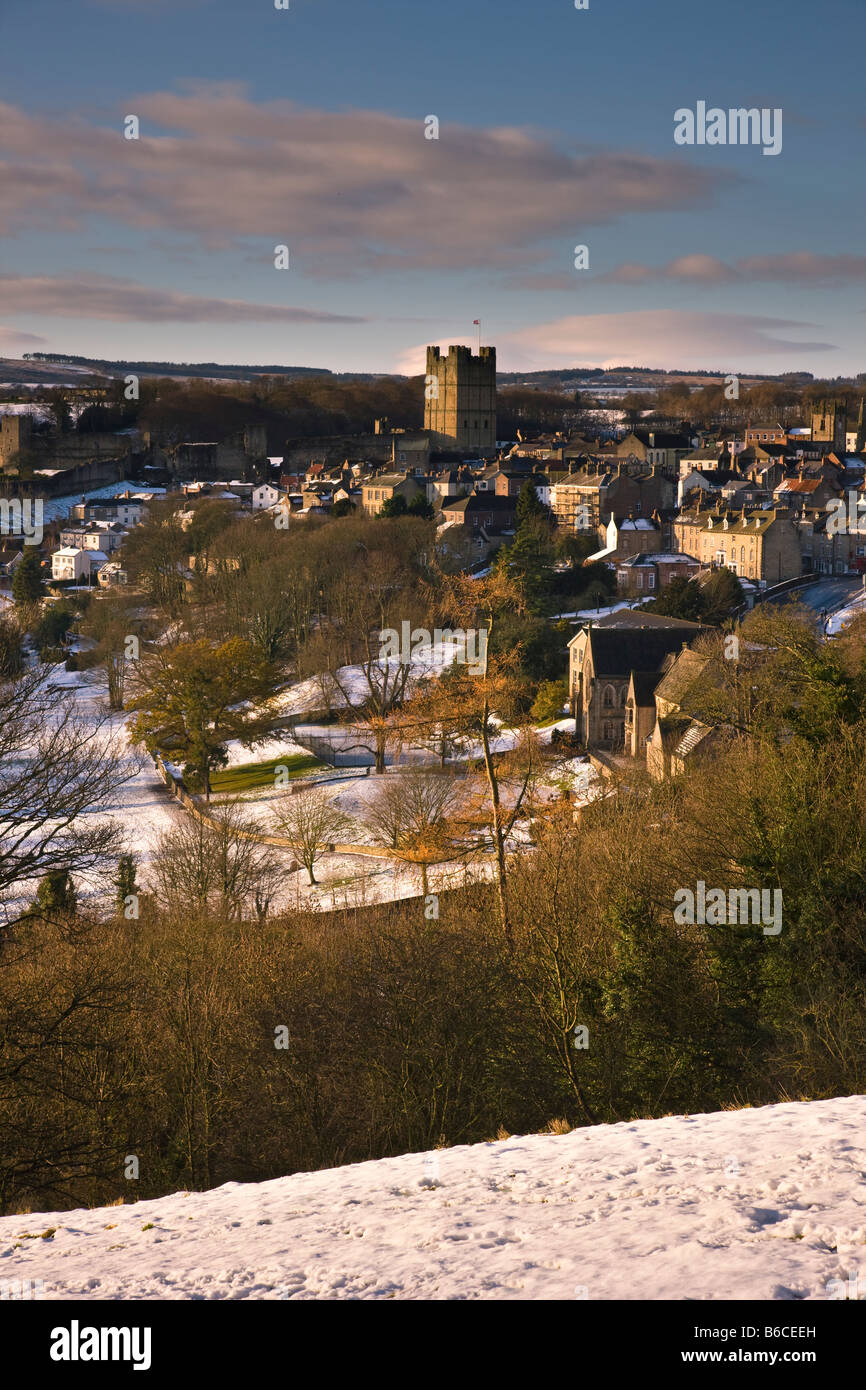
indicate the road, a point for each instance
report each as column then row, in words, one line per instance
column 825, row 596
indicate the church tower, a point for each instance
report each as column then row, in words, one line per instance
column 460, row 397
column 829, row 424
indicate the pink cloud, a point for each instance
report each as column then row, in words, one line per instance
column 345, row 190
column 795, row 267
column 109, row 297
column 653, row 338
column 13, row 341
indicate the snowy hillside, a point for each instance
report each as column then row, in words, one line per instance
column 754, row 1204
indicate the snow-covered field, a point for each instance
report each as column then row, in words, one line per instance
column 746, row 1204
column 427, row 659
column 143, row 807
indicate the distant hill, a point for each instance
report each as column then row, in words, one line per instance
column 228, row 371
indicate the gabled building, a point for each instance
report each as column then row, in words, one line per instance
column 799, row 493
column 379, row 488
column 629, row 537
column 645, row 574
column 71, row 563
column 676, row 738
column 603, row 656
column 763, row 546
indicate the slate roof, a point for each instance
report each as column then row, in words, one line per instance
column 644, row 684
column 680, row 676
column 619, row 651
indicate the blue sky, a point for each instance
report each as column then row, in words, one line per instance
column 305, row 127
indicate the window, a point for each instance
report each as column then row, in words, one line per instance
column 608, row 698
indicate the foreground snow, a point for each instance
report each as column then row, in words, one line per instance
column 751, row 1204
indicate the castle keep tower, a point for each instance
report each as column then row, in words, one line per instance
column 460, row 396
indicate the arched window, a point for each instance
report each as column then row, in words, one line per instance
column 608, row 698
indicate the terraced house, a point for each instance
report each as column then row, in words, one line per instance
column 763, row 546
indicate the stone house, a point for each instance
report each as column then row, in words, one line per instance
column 603, row 655
column 381, row 487
column 799, row 493
column 675, row 736
column 763, row 546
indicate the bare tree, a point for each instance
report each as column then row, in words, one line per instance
column 385, row 812
column 410, row 809
column 465, row 702
column 58, row 768
column 216, row 864
column 375, row 591
column 310, row 821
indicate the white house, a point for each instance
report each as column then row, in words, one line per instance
column 98, row 535
column 264, row 496
column 70, row 562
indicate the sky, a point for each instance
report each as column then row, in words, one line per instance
column 310, row 128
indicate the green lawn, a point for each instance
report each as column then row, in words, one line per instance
column 248, row 775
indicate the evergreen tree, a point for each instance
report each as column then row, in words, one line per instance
column 419, row 506
column 682, row 598
column 55, row 896
column 394, row 506
column 27, row 580
column 722, row 593
column 125, row 880
column 530, row 557
column 529, row 504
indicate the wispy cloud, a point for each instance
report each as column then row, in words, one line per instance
column 348, row 191
column 109, row 297
column 790, row 267
column 655, row 338
column 13, row 341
